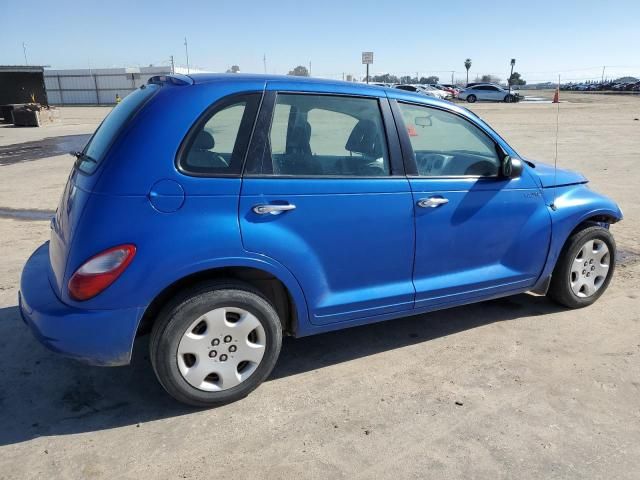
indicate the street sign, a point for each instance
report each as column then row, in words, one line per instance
column 367, row 58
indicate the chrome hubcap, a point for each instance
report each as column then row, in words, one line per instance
column 221, row 349
column 590, row 268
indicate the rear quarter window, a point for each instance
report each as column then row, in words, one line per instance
column 108, row 130
column 217, row 143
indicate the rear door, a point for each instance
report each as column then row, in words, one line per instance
column 496, row 93
column 477, row 233
column 324, row 194
column 482, row 92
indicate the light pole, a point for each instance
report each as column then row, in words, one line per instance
column 186, row 50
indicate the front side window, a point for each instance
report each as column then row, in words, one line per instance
column 323, row 135
column 445, row 144
column 217, row 143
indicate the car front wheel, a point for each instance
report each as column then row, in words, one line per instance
column 215, row 343
column 471, row 99
column 585, row 268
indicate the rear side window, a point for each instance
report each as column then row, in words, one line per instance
column 106, row 133
column 218, row 142
column 324, row 135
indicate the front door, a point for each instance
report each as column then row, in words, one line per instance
column 322, row 195
column 477, row 233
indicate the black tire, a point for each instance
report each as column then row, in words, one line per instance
column 508, row 98
column 560, row 288
column 180, row 313
column 471, row 99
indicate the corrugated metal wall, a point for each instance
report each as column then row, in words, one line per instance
column 96, row 86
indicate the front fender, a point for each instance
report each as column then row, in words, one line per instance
column 574, row 204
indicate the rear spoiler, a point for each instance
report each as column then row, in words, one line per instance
column 173, row 79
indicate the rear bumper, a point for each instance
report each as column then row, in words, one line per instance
column 97, row 337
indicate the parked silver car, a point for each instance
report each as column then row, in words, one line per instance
column 488, row 92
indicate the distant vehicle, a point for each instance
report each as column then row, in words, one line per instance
column 418, row 89
column 439, row 93
column 613, row 86
column 488, row 92
column 473, row 84
column 450, row 90
column 457, row 88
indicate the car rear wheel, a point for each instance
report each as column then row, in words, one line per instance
column 584, row 269
column 215, row 343
column 471, row 99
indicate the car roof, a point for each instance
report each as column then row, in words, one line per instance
column 309, row 82
column 200, row 78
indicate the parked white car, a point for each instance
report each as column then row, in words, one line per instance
column 486, row 91
column 438, row 92
column 423, row 89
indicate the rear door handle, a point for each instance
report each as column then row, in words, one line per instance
column 432, row 202
column 273, row 209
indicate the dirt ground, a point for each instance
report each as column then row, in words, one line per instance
column 512, row 388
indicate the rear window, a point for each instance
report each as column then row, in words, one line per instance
column 106, row 133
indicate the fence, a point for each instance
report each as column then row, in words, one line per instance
column 96, row 86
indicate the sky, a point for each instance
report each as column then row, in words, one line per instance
column 572, row 38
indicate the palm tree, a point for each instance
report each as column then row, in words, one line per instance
column 513, row 64
column 467, row 65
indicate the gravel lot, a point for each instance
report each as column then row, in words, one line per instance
column 510, row 388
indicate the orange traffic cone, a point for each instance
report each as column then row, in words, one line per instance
column 556, row 96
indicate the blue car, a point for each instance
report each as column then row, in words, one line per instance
column 222, row 212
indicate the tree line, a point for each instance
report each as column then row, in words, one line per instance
column 514, row 79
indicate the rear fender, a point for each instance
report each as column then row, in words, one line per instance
column 262, row 263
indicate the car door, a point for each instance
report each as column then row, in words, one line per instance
column 482, row 92
column 497, row 94
column 478, row 233
column 324, row 194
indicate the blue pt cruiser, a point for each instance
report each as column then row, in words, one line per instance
column 221, row 212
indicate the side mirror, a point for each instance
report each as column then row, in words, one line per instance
column 511, row 167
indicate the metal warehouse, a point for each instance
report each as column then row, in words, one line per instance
column 97, row 86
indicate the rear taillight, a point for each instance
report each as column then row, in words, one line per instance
column 100, row 271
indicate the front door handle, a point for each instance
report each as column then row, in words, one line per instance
column 432, row 202
column 273, row 209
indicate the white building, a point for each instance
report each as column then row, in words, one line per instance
column 98, row 86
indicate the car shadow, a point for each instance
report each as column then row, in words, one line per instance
column 39, row 149
column 44, row 394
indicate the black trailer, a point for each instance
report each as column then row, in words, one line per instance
column 20, row 84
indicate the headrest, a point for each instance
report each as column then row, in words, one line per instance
column 299, row 138
column 204, row 141
column 365, row 139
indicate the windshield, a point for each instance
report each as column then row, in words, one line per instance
column 106, row 133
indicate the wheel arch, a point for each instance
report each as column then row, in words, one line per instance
column 281, row 289
column 561, row 235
